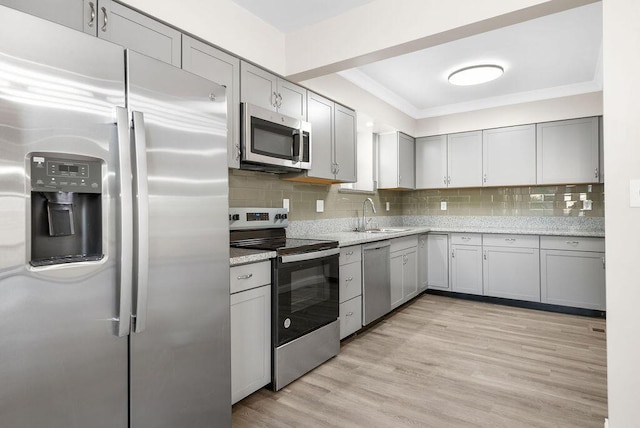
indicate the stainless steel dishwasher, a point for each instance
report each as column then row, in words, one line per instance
column 376, row 278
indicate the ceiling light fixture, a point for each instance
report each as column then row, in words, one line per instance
column 475, row 75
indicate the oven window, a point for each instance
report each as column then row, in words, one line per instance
column 307, row 297
column 271, row 139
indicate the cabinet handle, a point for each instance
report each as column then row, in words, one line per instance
column 349, row 314
column 453, row 254
column 348, row 279
column 510, row 239
column 247, row 276
column 604, row 263
column 485, row 255
column 349, row 253
column 337, row 168
column 237, row 146
column 404, row 259
column 595, row 173
column 105, row 19
column 92, row 15
column 484, row 178
column 574, row 243
column 445, row 179
column 274, row 99
column 448, row 180
column 279, row 100
column 466, row 238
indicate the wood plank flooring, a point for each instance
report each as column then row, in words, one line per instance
column 444, row 362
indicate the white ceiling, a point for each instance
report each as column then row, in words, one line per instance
column 549, row 57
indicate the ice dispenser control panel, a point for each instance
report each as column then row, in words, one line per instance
column 65, row 175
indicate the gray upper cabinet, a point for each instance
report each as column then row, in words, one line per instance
column 261, row 88
column 464, row 159
column 224, row 69
column 345, row 144
column 509, row 156
column 396, row 164
column 135, row 31
column 431, row 162
column 70, row 13
column 568, row 151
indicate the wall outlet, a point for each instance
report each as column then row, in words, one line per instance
column 443, row 205
column 388, row 206
column 587, row 205
column 285, row 204
column 319, row 206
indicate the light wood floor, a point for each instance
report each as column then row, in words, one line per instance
column 443, row 362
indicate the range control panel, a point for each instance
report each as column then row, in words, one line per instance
column 54, row 174
column 258, row 218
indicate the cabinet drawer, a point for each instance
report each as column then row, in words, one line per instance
column 398, row 244
column 245, row 277
column 350, row 281
column 572, row 243
column 350, row 316
column 466, row 238
column 503, row 240
column 350, row 254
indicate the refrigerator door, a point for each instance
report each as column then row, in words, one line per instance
column 62, row 364
column 180, row 350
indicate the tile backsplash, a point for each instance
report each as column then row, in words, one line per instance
column 248, row 188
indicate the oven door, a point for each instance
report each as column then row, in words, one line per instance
column 305, row 294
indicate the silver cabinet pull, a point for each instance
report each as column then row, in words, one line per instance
column 92, row 15
column 574, row 243
column 105, row 19
column 604, row 263
column 237, row 147
column 247, row 276
column 466, row 238
column 510, row 239
column 485, row 255
column 595, row 175
column 445, row 179
column 337, row 168
column 453, row 254
column 348, row 279
column 274, row 99
column 349, row 314
column 484, row 178
column 279, row 100
column 448, row 180
column 349, row 253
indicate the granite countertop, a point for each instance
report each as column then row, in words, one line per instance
column 241, row 256
column 354, row 238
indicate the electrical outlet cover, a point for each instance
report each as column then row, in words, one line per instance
column 443, row 205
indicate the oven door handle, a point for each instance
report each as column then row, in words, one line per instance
column 309, row 256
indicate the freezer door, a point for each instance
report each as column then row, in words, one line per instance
column 61, row 363
column 180, row 350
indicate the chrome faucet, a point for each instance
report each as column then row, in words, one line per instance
column 364, row 211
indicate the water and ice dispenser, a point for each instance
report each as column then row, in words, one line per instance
column 66, row 209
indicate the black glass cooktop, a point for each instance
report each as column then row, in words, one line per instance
column 267, row 239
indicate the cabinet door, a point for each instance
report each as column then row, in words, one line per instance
column 137, row 32
column 292, row 100
column 388, row 161
column 438, row 261
column 513, row 273
column 464, row 159
column 568, row 151
column 431, row 162
column 410, row 275
column 350, row 316
column 345, row 144
column 422, row 263
column 573, row 278
column 250, row 341
column 406, row 162
column 320, row 114
column 224, row 69
column 257, row 86
column 70, row 13
column 509, row 156
column 397, row 265
column 350, row 281
column 466, row 269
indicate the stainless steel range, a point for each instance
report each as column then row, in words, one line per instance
column 305, row 328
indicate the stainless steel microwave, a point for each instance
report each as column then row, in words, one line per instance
column 273, row 142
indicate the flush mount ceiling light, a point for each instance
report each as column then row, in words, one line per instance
column 475, row 75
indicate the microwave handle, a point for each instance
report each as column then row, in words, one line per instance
column 297, row 141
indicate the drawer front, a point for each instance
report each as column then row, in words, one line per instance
column 572, row 243
column 350, row 316
column 466, row 238
column 350, row 281
column 504, row 240
column 398, row 244
column 350, row 254
column 249, row 276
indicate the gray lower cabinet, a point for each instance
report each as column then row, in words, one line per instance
column 404, row 270
column 250, row 328
column 261, row 88
column 438, row 261
column 511, row 266
column 573, row 272
column 220, row 67
column 466, row 263
column 423, row 260
column 350, row 290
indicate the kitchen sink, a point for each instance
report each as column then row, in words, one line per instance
column 386, row 230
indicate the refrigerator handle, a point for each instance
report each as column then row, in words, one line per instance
column 141, row 261
column 126, row 223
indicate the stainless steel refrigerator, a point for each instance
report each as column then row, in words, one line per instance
column 114, row 295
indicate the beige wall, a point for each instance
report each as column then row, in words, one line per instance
column 622, row 162
column 255, row 189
